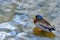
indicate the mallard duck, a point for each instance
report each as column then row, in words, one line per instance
column 43, row 24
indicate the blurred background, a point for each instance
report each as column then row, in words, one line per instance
column 10, row 19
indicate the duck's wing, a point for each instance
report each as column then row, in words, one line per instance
column 50, row 28
column 44, row 26
column 46, row 22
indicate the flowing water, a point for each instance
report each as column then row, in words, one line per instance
column 16, row 14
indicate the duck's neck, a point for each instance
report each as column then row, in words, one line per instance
column 35, row 21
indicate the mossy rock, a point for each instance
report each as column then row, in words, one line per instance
column 38, row 32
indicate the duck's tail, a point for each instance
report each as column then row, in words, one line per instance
column 52, row 29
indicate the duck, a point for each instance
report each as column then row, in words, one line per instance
column 43, row 24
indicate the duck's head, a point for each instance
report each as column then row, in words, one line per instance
column 37, row 18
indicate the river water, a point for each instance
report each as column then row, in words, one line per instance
column 15, row 14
